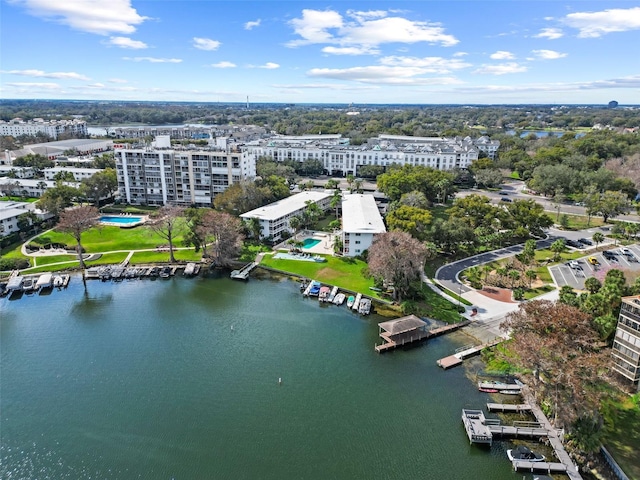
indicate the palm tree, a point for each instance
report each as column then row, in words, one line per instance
column 295, row 223
column 501, row 272
column 598, row 238
column 486, row 269
column 557, row 248
column 531, row 276
column 514, row 275
column 336, row 201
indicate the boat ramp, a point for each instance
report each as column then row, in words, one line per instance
column 410, row 329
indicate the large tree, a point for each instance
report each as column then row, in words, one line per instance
column 76, row 221
column 226, row 233
column 558, row 350
column 398, row 259
column 55, row 199
column 100, row 185
column 412, row 220
column 167, row 223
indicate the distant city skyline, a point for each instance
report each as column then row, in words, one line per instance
column 401, row 52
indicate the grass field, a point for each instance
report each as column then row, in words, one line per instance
column 345, row 272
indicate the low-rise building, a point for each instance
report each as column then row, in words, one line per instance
column 53, row 150
column 52, row 128
column 28, row 187
column 10, row 213
column 361, row 222
column 626, row 344
column 78, row 173
column 274, row 218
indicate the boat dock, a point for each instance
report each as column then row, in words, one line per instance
column 507, row 407
column 410, row 329
column 547, row 467
column 244, row 272
column 482, row 430
column 464, row 352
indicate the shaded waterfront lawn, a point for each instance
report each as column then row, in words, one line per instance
column 344, row 272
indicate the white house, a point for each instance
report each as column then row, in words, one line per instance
column 361, row 222
column 274, row 218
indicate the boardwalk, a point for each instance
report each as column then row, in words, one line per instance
column 464, row 352
column 547, row 467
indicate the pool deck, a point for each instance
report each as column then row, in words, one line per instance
column 325, row 247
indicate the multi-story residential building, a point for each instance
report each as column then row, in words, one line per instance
column 160, row 176
column 361, row 222
column 338, row 157
column 29, row 187
column 274, row 218
column 626, row 344
column 53, row 128
column 77, row 172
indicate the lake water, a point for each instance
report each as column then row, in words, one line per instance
column 178, row 379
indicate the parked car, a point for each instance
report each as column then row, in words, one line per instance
column 609, row 255
column 503, row 193
column 593, row 261
column 505, row 199
column 625, row 251
column 574, row 244
column 586, row 241
column 575, row 265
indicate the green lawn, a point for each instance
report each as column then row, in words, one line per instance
column 106, row 238
column 580, row 222
column 344, row 272
column 163, row 257
column 623, row 438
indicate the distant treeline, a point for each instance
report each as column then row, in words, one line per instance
column 355, row 121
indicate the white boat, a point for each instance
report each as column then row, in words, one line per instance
column 15, row 283
column 339, row 299
column 28, row 285
column 44, row 281
column 350, row 301
column 356, row 304
column 189, row 269
column 323, row 294
column 524, row 453
column 332, row 295
column 365, row 306
column 58, row 281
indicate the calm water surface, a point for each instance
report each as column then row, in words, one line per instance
column 178, row 379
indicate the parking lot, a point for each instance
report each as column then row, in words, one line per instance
column 596, row 264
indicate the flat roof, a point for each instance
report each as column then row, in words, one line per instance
column 284, row 207
column 360, row 214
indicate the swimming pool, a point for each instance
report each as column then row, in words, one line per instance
column 120, row 220
column 310, row 242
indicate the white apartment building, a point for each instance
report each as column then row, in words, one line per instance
column 158, row 176
column 78, row 173
column 361, row 222
column 340, row 158
column 29, row 187
column 274, row 218
column 53, row 128
column 626, row 344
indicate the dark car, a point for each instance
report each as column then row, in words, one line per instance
column 503, row 193
column 574, row 244
column 505, row 199
column 586, row 241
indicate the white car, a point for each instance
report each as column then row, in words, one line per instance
column 625, row 251
column 575, row 265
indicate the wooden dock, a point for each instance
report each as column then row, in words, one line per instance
column 244, row 272
column 547, row 467
column 504, row 407
column 393, row 339
column 464, row 352
column 483, row 430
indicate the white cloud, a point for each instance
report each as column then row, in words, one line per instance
column 550, row 33
column 382, row 74
column 364, row 30
column 548, row 54
column 329, row 86
column 359, row 50
column 270, row 66
column 223, row 65
column 125, row 42
column 596, row 24
column 460, row 54
column 103, row 18
column 36, row 85
column 501, row 69
column 118, row 80
column 205, row 43
column 502, row 55
column 96, row 85
column 42, row 74
column 153, row 59
column 426, row 64
column 251, row 25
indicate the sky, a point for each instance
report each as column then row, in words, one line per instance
column 338, row 51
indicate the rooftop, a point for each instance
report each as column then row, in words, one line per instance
column 284, row 207
column 402, row 325
column 360, row 214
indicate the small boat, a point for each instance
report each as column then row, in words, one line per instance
column 332, row 295
column 315, row 288
column 488, row 390
column 339, row 299
column 58, row 281
column 154, row 272
column 524, row 453
column 45, row 281
column 350, row 301
column 28, row 285
column 165, row 272
column 365, row 306
column 509, row 392
column 189, row 269
column 323, row 294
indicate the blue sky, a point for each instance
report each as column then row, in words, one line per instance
column 340, row 51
